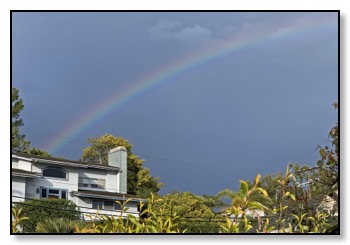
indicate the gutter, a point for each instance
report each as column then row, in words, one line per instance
column 78, row 194
column 21, row 158
column 37, row 160
column 26, row 175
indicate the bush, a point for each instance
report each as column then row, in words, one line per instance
column 40, row 209
column 60, row 225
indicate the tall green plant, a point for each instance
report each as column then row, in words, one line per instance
column 242, row 201
column 17, row 220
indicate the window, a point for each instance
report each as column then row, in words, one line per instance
column 97, row 204
column 53, row 193
column 117, row 206
column 91, row 183
column 107, row 205
column 55, row 173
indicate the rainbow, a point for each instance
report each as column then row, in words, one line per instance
column 163, row 74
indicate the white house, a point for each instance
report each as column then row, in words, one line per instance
column 93, row 187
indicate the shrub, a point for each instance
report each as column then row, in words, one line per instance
column 57, row 225
column 40, row 209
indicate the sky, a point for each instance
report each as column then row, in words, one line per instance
column 206, row 98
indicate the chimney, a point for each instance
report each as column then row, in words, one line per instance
column 117, row 157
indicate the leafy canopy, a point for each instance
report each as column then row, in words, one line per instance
column 140, row 181
column 195, row 212
column 18, row 142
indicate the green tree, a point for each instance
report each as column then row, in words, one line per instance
column 248, row 198
column 314, row 185
column 18, row 142
column 140, row 181
column 271, row 183
column 195, row 215
column 37, row 210
column 328, row 165
column 38, row 152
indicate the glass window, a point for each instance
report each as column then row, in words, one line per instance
column 43, row 193
column 84, row 182
column 109, row 205
column 97, row 204
column 63, row 194
column 92, row 183
column 55, row 173
column 117, row 206
column 101, row 183
column 53, row 193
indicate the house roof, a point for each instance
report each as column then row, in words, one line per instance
column 106, row 195
column 60, row 161
column 24, row 173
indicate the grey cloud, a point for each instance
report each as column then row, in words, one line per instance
column 172, row 30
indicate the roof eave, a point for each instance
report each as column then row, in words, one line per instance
column 70, row 164
column 79, row 194
column 25, row 175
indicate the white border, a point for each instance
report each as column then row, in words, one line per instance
column 7, row 5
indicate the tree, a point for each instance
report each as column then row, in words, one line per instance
column 140, row 181
column 195, row 215
column 328, row 165
column 314, row 183
column 248, row 198
column 271, row 183
column 18, row 141
column 38, row 152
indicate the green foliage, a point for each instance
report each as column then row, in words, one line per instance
column 41, row 209
column 153, row 221
column 155, row 218
column 247, row 198
column 328, row 165
column 37, row 152
column 17, row 220
column 18, row 142
column 140, row 181
column 58, row 225
column 194, row 211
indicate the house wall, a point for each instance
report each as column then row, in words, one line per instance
column 69, row 184
column 112, row 180
column 109, row 176
column 14, row 163
column 21, row 164
column 85, row 205
column 18, row 188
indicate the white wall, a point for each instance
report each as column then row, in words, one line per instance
column 112, row 181
column 14, row 163
column 90, row 213
column 21, row 164
column 18, row 188
column 69, row 184
column 109, row 176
